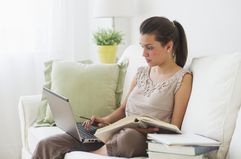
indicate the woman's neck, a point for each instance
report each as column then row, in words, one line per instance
column 166, row 68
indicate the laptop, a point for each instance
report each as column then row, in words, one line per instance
column 64, row 118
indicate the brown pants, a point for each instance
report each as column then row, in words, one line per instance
column 55, row 147
column 126, row 143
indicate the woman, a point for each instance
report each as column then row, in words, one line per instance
column 161, row 90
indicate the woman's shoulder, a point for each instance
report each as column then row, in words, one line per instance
column 181, row 72
column 184, row 75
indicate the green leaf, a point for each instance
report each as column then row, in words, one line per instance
column 107, row 37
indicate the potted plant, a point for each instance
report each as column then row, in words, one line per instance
column 107, row 41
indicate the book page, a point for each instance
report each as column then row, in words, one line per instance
column 161, row 124
column 133, row 122
column 106, row 132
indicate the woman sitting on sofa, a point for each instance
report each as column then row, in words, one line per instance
column 161, row 90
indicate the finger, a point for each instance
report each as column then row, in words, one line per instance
column 85, row 124
column 96, row 121
column 141, row 130
column 88, row 124
column 93, row 120
column 153, row 129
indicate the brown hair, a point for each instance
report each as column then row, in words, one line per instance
column 165, row 31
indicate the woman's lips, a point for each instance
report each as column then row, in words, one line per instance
column 148, row 61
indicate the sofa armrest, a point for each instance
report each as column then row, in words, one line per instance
column 28, row 109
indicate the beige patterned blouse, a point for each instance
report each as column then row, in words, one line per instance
column 154, row 99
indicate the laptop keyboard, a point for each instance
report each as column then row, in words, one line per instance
column 86, row 133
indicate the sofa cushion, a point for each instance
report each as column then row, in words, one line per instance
column 39, row 133
column 133, row 53
column 91, row 88
column 234, row 148
column 215, row 100
column 87, row 155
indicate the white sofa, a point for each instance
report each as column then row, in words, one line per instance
column 212, row 111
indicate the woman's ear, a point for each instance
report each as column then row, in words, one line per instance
column 169, row 46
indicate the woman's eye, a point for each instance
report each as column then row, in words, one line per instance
column 150, row 48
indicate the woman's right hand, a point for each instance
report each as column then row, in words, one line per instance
column 96, row 121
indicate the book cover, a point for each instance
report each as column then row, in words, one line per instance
column 179, row 149
column 159, row 155
column 183, row 139
column 133, row 122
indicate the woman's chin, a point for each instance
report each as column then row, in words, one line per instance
column 150, row 64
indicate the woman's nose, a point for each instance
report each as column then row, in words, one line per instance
column 144, row 53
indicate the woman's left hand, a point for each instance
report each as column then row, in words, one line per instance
column 147, row 130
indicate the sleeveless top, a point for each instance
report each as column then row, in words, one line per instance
column 153, row 99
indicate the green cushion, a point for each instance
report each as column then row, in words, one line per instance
column 93, row 89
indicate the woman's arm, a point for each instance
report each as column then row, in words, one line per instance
column 181, row 100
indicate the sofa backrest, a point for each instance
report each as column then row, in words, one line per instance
column 215, row 98
column 234, row 148
column 134, row 54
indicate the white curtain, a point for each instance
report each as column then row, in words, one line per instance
column 31, row 32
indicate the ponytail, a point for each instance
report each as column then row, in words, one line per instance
column 181, row 51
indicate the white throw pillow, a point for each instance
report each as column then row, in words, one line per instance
column 234, row 149
column 215, row 98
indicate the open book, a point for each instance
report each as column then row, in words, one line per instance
column 135, row 122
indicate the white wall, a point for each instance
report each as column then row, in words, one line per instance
column 31, row 32
column 212, row 26
column 122, row 24
column 69, row 25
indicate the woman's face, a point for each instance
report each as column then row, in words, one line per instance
column 154, row 53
